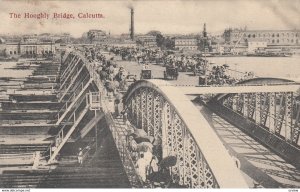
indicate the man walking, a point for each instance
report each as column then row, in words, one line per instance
column 80, row 156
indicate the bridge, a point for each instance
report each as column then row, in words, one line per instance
column 264, row 109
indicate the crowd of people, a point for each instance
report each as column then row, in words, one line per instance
column 215, row 74
column 114, row 77
column 220, row 75
column 146, row 153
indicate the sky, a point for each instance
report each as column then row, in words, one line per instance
column 167, row 16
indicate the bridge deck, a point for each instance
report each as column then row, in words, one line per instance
column 258, row 162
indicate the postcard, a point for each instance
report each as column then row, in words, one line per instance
column 149, row 94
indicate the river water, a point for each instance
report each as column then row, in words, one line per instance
column 6, row 71
column 281, row 67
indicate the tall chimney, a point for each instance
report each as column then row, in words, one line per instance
column 132, row 24
column 204, row 30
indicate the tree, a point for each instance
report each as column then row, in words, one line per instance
column 169, row 43
column 154, row 33
column 159, row 38
column 139, row 42
column 91, row 36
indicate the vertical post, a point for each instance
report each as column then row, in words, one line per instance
column 295, row 129
column 234, row 102
column 279, row 114
column 96, row 132
column 257, row 108
column 288, row 114
column 272, row 112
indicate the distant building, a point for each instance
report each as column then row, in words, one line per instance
column 274, row 38
column 62, row 38
column 186, row 43
column 217, row 48
column 147, row 40
column 29, row 49
column 30, row 39
column 96, row 36
column 119, row 42
column 256, row 44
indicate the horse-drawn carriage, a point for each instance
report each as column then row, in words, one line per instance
column 198, row 71
column 202, row 80
column 146, row 74
column 171, row 72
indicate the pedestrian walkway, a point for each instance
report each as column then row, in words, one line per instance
column 119, row 132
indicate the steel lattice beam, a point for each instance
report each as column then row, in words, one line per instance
column 157, row 114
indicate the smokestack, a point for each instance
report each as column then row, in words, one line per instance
column 132, row 24
column 204, row 30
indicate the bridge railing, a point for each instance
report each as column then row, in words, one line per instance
column 124, row 153
column 65, row 131
column 262, row 127
column 120, row 142
column 73, row 97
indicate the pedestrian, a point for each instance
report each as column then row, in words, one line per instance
column 80, row 156
column 153, row 166
column 148, row 156
column 237, row 162
column 117, row 101
column 141, row 166
column 132, row 144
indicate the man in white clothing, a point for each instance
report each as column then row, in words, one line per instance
column 141, row 165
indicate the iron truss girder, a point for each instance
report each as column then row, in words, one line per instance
column 149, row 110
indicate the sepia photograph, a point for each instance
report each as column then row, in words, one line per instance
column 149, row 94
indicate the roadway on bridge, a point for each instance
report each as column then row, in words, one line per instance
column 184, row 78
column 188, row 81
column 261, row 164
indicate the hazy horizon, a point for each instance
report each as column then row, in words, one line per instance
column 169, row 17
